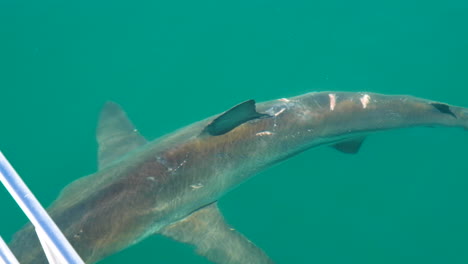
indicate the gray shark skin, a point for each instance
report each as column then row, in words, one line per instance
column 171, row 186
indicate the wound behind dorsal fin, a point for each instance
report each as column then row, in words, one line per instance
column 116, row 134
column 232, row 118
column 349, row 146
column 443, row 108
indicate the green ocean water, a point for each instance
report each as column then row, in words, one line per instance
column 402, row 199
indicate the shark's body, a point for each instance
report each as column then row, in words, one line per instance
column 170, row 186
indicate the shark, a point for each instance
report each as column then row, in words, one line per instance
column 171, row 186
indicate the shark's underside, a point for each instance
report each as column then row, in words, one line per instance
column 170, row 186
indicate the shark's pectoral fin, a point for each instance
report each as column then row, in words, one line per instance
column 349, row 146
column 214, row 239
column 232, row 118
column 116, row 134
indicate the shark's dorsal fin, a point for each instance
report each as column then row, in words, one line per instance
column 214, row 239
column 351, row 146
column 443, row 108
column 116, row 134
column 233, row 117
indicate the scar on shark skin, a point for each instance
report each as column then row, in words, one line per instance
column 365, row 99
column 264, row 133
column 78, row 235
column 196, row 186
column 332, row 101
column 279, row 112
column 178, row 166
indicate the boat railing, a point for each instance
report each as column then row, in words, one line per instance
column 56, row 247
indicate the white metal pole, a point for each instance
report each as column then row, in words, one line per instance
column 6, row 257
column 46, row 229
